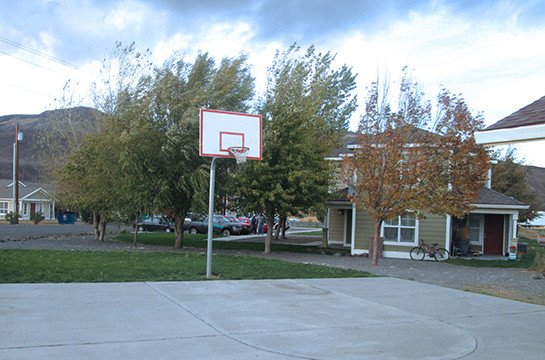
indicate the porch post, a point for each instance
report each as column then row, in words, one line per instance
column 353, row 240
column 514, row 224
column 448, row 238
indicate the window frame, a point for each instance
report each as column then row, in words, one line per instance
column 480, row 227
column 399, row 227
column 4, row 207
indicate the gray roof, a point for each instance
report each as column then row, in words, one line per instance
column 490, row 197
column 533, row 114
column 348, row 139
column 7, row 192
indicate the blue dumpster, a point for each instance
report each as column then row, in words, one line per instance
column 66, row 218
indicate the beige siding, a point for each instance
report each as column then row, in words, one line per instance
column 433, row 229
column 336, row 225
column 364, row 230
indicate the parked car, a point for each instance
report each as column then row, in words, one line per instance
column 265, row 227
column 246, row 226
column 248, row 222
column 221, row 225
column 155, row 223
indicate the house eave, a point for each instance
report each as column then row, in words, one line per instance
column 338, row 202
column 510, row 135
column 502, row 207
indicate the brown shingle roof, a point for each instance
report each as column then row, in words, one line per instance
column 532, row 114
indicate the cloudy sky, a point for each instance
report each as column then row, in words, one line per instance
column 490, row 51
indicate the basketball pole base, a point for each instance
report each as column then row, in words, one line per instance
column 210, row 218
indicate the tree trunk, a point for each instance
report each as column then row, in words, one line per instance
column 179, row 232
column 102, row 227
column 283, row 222
column 374, row 259
column 268, row 239
column 277, row 232
column 95, row 225
column 135, row 231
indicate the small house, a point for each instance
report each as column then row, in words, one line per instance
column 33, row 198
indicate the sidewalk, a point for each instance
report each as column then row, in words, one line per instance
column 368, row 318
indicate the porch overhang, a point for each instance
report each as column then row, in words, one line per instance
column 499, row 208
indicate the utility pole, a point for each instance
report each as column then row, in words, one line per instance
column 18, row 137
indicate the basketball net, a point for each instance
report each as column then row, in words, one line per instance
column 239, row 153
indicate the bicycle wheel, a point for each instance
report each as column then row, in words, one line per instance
column 441, row 254
column 417, row 253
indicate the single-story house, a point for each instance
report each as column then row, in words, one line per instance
column 33, row 197
column 493, row 223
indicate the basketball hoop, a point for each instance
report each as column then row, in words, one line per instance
column 239, row 153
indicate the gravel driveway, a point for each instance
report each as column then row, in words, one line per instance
column 514, row 284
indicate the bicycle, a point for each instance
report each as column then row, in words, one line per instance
column 420, row 252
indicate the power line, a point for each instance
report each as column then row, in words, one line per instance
column 30, row 62
column 39, row 53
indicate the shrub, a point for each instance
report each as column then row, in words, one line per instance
column 36, row 217
column 12, row 218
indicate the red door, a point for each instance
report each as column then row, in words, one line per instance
column 493, row 234
column 32, row 208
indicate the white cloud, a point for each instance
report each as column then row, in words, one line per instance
column 492, row 57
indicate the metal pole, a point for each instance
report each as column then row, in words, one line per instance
column 16, row 173
column 210, row 219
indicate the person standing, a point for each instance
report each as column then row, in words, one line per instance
column 260, row 221
column 254, row 224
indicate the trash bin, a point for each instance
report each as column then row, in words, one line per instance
column 66, row 218
column 463, row 246
column 522, row 248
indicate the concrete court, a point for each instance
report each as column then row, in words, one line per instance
column 360, row 318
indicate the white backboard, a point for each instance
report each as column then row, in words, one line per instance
column 220, row 130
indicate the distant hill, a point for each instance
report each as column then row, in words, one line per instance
column 30, row 126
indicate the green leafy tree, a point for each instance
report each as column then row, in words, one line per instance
column 177, row 91
column 511, row 178
column 94, row 176
column 305, row 109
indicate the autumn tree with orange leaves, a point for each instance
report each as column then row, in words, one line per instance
column 407, row 161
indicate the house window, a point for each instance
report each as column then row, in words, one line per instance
column 3, row 207
column 25, row 208
column 41, row 208
column 403, row 230
column 474, row 222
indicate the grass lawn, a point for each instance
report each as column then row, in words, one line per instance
column 311, row 233
column 200, row 241
column 55, row 266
